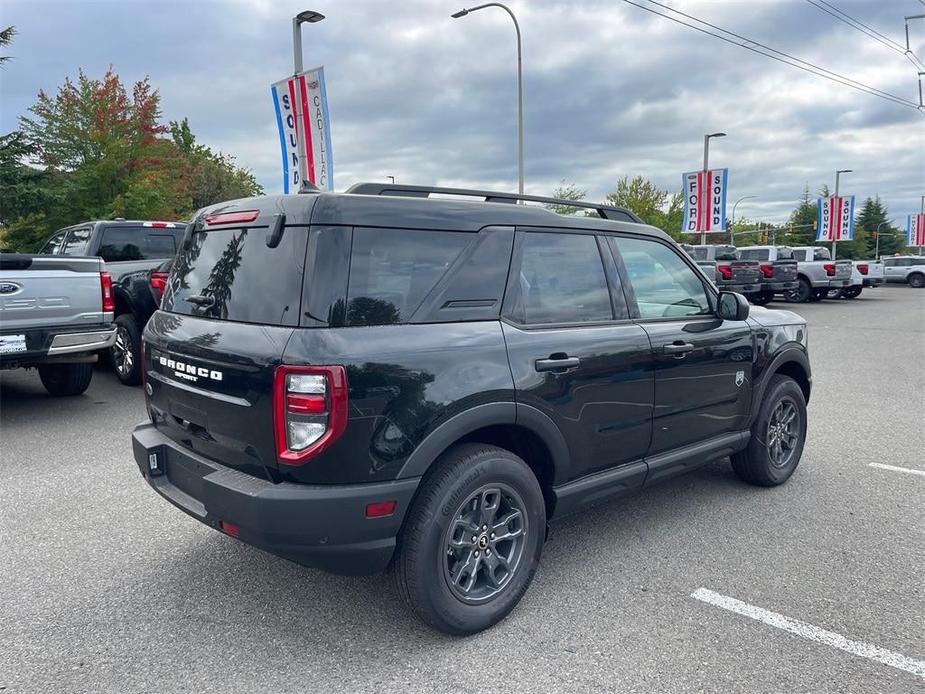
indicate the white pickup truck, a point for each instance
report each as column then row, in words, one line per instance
column 864, row 273
column 55, row 315
column 817, row 273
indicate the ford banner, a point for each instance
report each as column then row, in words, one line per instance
column 704, row 201
column 301, row 106
column 835, row 220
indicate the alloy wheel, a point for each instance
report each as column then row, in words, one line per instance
column 484, row 543
column 783, row 432
column 122, row 353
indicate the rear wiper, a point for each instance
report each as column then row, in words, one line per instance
column 201, row 300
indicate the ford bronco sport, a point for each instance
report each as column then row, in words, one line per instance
column 384, row 379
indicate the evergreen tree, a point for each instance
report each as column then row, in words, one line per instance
column 803, row 220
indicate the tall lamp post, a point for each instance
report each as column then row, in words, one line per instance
column 306, row 17
column 732, row 230
column 832, row 222
column 520, row 86
column 706, row 167
column 922, row 211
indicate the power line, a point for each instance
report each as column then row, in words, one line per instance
column 867, row 31
column 787, row 59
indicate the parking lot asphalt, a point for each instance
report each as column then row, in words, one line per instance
column 104, row 587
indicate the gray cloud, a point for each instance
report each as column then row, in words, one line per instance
column 610, row 90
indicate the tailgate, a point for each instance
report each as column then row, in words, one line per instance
column 745, row 271
column 43, row 291
column 843, row 270
column 211, row 387
column 785, row 270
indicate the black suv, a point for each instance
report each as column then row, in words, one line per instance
column 370, row 379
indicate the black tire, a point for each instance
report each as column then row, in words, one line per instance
column 818, row 294
column 66, row 379
column 759, row 463
column 435, row 545
column 917, row 280
column 835, row 294
column 126, row 352
column 762, row 298
column 852, row 292
column 802, row 293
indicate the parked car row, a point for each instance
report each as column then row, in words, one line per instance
column 90, row 290
column 800, row 274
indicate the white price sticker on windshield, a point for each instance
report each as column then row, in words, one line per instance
column 10, row 344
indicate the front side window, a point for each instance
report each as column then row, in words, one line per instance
column 560, row 280
column 77, row 242
column 392, row 271
column 665, row 286
column 54, row 244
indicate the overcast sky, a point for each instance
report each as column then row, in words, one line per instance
column 610, row 90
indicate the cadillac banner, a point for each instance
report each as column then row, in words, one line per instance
column 704, row 201
column 301, row 106
column 915, row 230
column 835, row 220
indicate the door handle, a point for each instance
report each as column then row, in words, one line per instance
column 678, row 349
column 558, row 364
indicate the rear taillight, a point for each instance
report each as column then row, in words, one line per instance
column 158, row 283
column 829, row 269
column 109, row 303
column 725, row 271
column 767, row 270
column 310, row 410
column 862, row 268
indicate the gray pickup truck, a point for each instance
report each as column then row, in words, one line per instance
column 732, row 274
column 817, row 273
column 55, row 315
column 778, row 271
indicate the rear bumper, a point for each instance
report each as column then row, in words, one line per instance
column 831, row 284
column 741, row 288
column 49, row 343
column 873, row 281
column 779, row 286
column 322, row 526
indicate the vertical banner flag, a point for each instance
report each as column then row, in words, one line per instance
column 835, row 219
column 301, row 105
column 915, row 230
column 704, row 201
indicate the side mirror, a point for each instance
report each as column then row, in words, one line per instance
column 732, row 306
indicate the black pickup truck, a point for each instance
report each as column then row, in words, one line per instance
column 135, row 253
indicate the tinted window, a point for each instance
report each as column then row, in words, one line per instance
column 392, row 270
column 917, row 261
column 231, row 274
column 54, row 243
column 754, row 253
column 799, row 256
column 560, row 280
column 77, row 242
column 135, row 243
column 784, row 253
column 725, row 253
column 698, row 253
column 820, row 253
column 663, row 283
column 889, row 262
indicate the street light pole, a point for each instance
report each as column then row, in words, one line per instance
column 922, row 211
column 520, row 86
column 732, row 231
column 877, row 244
column 306, row 17
column 832, row 221
column 706, row 167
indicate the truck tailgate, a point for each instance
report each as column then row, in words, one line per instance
column 42, row 291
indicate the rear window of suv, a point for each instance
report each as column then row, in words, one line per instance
column 231, row 274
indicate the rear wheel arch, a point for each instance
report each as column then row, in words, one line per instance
column 916, row 278
column 124, row 303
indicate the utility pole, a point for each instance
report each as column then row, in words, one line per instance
column 706, row 167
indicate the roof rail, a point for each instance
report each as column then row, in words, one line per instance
column 620, row 214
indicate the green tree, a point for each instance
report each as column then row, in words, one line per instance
column 654, row 206
column 566, row 191
column 25, row 192
column 213, row 176
column 6, row 38
column 874, row 216
column 803, row 220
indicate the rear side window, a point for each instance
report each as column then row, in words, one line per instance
column 392, row 271
column 54, row 244
column 135, row 243
column 917, row 261
column 754, row 253
column 231, row 274
column 560, row 279
column 77, row 242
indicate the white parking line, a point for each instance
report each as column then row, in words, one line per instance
column 897, row 469
column 813, row 633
